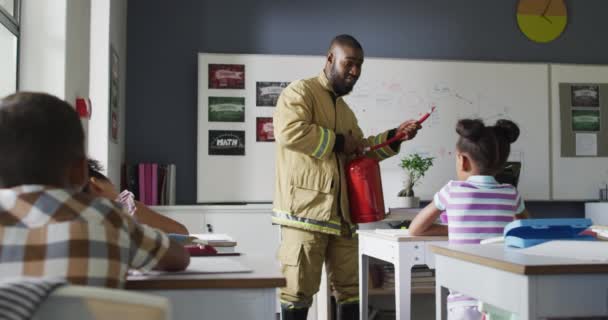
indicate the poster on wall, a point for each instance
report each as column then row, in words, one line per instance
column 226, row 109
column 267, row 93
column 226, row 143
column 226, row 76
column 586, row 120
column 114, row 95
column 586, row 96
column 264, row 130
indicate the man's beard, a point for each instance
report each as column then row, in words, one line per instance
column 338, row 84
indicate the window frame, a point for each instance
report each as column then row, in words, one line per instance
column 11, row 23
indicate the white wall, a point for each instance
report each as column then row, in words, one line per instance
column 108, row 27
column 99, row 81
column 8, row 62
column 54, row 53
column 77, row 49
column 65, row 46
column 43, row 46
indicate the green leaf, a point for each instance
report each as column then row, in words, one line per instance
column 415, row 167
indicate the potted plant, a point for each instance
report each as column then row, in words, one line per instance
column 415, row 167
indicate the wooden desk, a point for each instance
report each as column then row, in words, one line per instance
column 402, row 251
column 534, row 287
column 249, row 295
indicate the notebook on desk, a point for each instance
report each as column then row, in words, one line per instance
column 207, row 265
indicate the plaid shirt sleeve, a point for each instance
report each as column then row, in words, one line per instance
column 148, row 246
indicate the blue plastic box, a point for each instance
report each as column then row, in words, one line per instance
column 529, row 232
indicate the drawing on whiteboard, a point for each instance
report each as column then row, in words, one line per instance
column 440, row 90
column 393, row 86
column 458, row 96
column 411, row 99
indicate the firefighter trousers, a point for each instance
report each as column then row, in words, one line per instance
column 302, row 254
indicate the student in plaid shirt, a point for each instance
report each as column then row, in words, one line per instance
column 48, row 227
column 99, row 185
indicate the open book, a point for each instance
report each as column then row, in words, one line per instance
column 221, row 242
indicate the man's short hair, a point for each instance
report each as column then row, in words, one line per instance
column 346, row 40
column 40, row 138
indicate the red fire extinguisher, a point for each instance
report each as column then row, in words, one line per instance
column 365, row 184
column 365, row 187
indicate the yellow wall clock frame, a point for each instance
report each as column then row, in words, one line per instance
column 542, row 20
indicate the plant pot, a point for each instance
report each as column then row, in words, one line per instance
column 410, row 202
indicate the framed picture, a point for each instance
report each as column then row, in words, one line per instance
column 267, row 93
column 226, row 143
column 226, row 76
column 585, row 95
column 226, row 109
column 264, row 130
column 114, row 95
column 586, row 120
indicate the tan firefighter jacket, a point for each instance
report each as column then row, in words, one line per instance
column 310, row 190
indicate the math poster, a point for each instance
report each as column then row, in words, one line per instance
column 264, row 130
column 226, row 143
column 226, row 76
column 267, row 93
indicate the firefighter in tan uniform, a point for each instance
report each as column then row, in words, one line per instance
column 317, row 134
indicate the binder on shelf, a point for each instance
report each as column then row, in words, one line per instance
column 151, row 183
column 154, row 184
column 142, row 182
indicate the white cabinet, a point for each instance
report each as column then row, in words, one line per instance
column 249, row 225
column 597, row 212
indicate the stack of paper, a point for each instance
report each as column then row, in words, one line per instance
column 601, row 231
column 393, row 232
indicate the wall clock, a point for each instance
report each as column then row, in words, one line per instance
column 542, row 20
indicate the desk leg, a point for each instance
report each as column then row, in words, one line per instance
column 441, row 294
column 403, row 290
column 528, row 306
column 363, row 288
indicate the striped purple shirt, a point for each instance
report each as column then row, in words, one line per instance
column 476, row 209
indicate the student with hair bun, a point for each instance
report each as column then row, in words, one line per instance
column 476, row 205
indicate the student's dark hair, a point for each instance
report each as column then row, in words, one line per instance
column 40, row 138
column 95, row 169
column 488, row 147
column 346, row 40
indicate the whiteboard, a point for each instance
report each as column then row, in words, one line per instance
column 389, row 91
column 575, row 178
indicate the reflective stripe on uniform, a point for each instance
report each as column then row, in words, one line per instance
column 381, row 153
column 323, row 144
column 288, row 219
